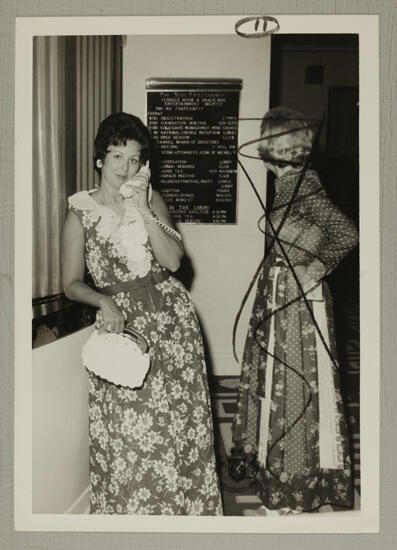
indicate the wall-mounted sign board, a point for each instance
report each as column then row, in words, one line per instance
column 194, row 123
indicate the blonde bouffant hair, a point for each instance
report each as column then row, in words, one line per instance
column 287, row 137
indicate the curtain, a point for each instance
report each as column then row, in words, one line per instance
column 76, row 83
column 98, row 79
column 49, row 175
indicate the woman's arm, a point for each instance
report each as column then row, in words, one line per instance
column 339, row 234
column 73, row 265
column 166, row 248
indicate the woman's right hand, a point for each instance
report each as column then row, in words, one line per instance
column 112, row 317
column 303, row 276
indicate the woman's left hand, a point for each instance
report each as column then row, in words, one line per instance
column 139, row 194
column 137, row 188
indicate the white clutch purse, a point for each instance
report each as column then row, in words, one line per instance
column 122, row 359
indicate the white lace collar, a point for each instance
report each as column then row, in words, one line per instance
column 128, row 234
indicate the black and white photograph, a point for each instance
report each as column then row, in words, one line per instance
column 196, row 253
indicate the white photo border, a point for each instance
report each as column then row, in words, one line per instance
column 365, row 520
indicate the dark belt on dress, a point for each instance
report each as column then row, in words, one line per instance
column 152, row 278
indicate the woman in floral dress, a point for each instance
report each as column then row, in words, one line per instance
column 290, row 423
column 151, row 449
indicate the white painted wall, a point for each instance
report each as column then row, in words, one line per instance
column 224, row 258
column 60, row 426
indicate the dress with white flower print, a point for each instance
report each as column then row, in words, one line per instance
column 290, row 422
column 151, row 449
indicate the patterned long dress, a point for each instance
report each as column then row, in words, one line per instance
column 290, row 423
column 151, row 449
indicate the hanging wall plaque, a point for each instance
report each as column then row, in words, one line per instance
column 194, row 123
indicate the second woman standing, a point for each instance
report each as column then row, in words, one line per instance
column 290, row 424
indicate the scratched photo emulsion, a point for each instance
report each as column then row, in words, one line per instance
column 195, row 335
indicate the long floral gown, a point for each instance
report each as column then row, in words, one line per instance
column 290, row 423
column 151, row 449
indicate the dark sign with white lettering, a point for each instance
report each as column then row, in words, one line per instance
column 195, row 126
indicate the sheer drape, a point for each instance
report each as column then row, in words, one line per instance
column 49, row 175
column 76, row 83
column 98, row 93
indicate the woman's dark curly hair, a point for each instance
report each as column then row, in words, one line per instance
column 117, row 129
